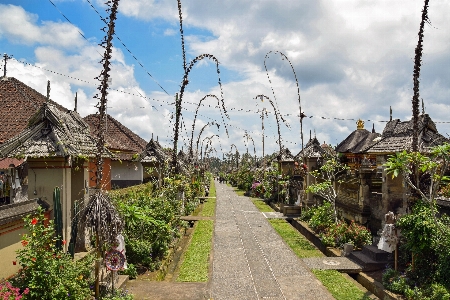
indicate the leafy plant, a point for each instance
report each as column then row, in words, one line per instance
column 427, row 245
column 307, row 213
column 417, row 168
column 329, row 178
column 49, row 273
column 322, row 218
column 394, row 281
column 130, row 271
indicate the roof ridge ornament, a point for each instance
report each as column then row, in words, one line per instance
column 360, row 124
column 5, row 58
column 48, row 90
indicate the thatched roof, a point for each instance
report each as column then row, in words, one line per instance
column 285, row 155
column 358, row 141
column 153, row 153
column 51, row 133
column 313, row 149
column 397, row 136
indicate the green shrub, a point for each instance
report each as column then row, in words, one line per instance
column 428, row 241
column 307, row 213
column 394, row 281
column 432, row 292
column 130, row 271
column 322, row 218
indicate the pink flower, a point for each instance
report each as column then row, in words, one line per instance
column 64, row 242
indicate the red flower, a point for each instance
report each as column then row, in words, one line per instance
column 14, row 262
column 24, row 243
column 64, row 242
column 34, row 221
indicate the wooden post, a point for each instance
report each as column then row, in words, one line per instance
column 396, row 257
column 97, row 267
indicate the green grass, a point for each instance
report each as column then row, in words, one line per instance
column 339, row 286
column 212, row 189
column 209, row 207
column 195, row 265
column 239, row 192
column 298, row 243
column 261, row 205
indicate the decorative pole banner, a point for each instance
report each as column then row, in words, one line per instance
column 115, row 259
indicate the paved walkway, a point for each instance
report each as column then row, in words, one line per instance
column 250, row 260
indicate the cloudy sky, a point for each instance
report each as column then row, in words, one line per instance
column 352, row 59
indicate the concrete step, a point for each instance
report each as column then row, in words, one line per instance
column 367, row 263
column 376, row 254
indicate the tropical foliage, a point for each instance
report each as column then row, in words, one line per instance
column 47, row 272
column 425, row 233
column 151, row 216
column 320, row 219
column 328, row 180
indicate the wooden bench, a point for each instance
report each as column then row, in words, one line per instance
column 204, row 199
column 191, row 219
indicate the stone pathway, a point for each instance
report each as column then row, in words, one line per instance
column 341, row 264
column 250, row 260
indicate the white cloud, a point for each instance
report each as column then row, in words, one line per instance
column 170, row 32
column 21, row 27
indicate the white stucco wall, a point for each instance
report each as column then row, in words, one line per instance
column 126, row 170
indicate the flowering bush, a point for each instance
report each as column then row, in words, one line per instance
column 9, row 292
column 257, row 189
column 49, row 273
column 339, row 234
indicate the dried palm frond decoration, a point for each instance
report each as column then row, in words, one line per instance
column 185, row 81
column 101, row 217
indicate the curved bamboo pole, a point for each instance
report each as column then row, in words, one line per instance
column 301, row 114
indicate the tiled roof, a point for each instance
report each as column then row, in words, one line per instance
column 6, row 162
column 397, row 136
column 18, row 103
column 357, row 141
column 51, row 133
column 119, row 139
